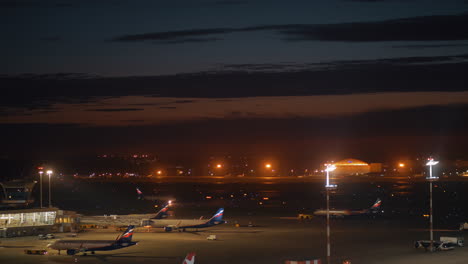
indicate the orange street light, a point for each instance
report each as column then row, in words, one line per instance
column 219, row 166
column 268, row 165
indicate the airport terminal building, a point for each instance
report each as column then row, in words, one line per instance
column 28, row 222
column 355, row 167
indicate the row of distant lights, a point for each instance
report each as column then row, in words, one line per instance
column 133, row 156
column 329, row 167
column 267, row 165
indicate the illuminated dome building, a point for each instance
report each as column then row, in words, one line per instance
column 351, row 166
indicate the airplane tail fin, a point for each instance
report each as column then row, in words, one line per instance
column 140, row 193
column 163, row 212
column 127, row 235
column 377, row 204
column 189, row 259
column 218, row 217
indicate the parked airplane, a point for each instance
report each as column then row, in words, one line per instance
column 76, row 246
column 189, row 259
column 142, row 196
column 373, row 210
column 125, row 220
column 183, row 224
column 163, row 212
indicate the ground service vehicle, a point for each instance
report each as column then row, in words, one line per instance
column 458, row 241
column 35, row 251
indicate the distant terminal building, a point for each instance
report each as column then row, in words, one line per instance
column 351, row 166
column 29, row 222
column 355, row 167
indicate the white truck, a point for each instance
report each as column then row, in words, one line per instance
column 211, row 237
column 458, row 241
column 463, row 226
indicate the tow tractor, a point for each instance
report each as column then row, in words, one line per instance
column 35, row 251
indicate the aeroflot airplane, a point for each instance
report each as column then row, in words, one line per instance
column 189, row 259
column 183, row 224
column 76, row 246
column 142, row 196
column 375, row 209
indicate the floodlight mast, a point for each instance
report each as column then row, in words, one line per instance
column 49, row 172
column 40, row 188
column 328, row 186
column 431, row 162
column 328, row 169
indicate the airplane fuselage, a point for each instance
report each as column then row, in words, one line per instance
column 75, row 246
column 89, row 245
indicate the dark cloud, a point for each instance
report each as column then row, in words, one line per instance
column 426, row 28
column 378, row 133
column 115, row 109
column 444, row 73
column 173, row 35
column 35, row 4
column 429, row 46
column 146, row 104
column 168, row 107
column 336, row 65
column 187, row 40
column 183, row 101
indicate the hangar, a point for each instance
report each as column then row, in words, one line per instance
column 351, row 167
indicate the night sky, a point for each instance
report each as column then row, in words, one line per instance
column 369, row 79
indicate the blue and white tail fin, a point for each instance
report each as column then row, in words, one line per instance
column 218, row 217
column 189, row 259
column 127, row 235
column 163, row 212
column 377, row 204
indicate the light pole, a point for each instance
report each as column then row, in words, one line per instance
column 49, row 172
column 328, row 186
column 431, row 162
column 40, row 185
